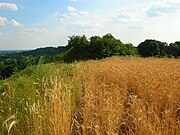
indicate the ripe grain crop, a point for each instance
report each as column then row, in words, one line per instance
column 131, row 96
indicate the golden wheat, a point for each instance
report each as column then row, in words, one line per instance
column 131, row 96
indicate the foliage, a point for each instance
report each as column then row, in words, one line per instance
column 154, row 48
column 80, row 48
column 14, row 61
column 174, row 49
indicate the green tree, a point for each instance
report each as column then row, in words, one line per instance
column 96, row 47
column 77, row 42
column 131, row 50
column 152, row 48
column 106, row 46
column 78, row 49
column 174, row 50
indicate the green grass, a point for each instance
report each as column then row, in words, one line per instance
column 26, row 90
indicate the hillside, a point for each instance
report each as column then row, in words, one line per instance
column 46, row 51
column 14, row 61
column 116, row 95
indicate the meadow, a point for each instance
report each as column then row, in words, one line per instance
column 113, row 96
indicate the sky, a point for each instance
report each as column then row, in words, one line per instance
column 30, row 24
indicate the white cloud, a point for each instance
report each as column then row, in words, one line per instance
column 71, row 9
column 30, row 31
column 79, row 14
column 84, row 13
column 79, row 23
column 122, row 17
column 15, row 23
column 73, row 0
column 75, row 14
column 60, row 17
column 3, row 21
column 163, row 8
column 8, row 6
column 86, row 25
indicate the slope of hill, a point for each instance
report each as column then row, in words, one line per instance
column 45, row 51
column 110, row 96
column 14, row 61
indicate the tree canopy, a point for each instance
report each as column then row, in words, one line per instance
column 80, row 48
column 154, row 48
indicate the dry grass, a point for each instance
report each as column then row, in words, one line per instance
column 131, row 96
column 54, row 116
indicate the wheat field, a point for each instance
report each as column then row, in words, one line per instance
column 114, row 96
column 131, row 96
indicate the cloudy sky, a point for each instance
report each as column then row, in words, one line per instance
column 28, row 24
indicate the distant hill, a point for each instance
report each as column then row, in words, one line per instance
column 8, row 53
column 11, row 51
column 14, row 61
column 47, row 51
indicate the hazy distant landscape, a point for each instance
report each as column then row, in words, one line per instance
column 81, row 67
column 7, row 52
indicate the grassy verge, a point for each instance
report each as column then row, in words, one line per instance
column 37, row 100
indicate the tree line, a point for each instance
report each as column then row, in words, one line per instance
column 82, row 48
column 154, row 48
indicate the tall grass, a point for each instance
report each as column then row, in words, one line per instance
column 131, row 96
column 115, row 96
column 39, row 102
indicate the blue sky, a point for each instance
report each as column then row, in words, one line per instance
column 29, row 24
